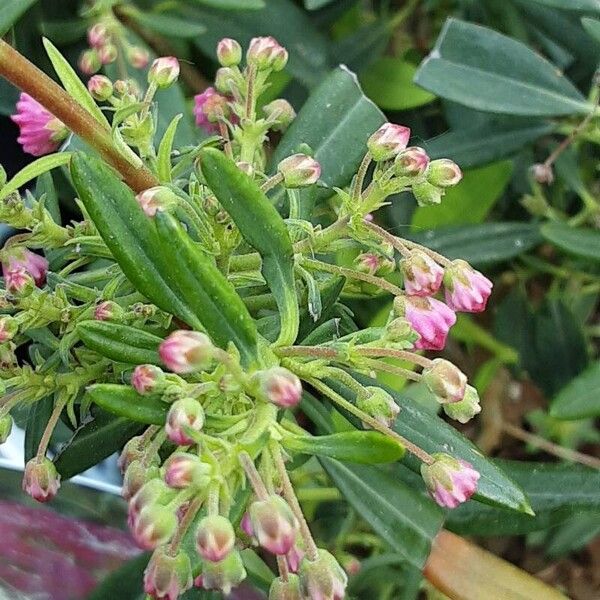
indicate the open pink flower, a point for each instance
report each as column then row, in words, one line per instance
column 450, row 481
column 41, row 132
column 209, row 107
column 21, row 259
column 466, row 290
column 429, row 317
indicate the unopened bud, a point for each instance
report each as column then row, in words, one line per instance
column 443, row 173
column 427, row 194
column 132, row 450
column 154, row 492
column 225, row 80
column 322, row 578
column 266, row 53
column 5, row 427
column 378, row 404
column 450, row 481
column 108, row 311
column 100, row 87
column 400, row 332
column 154, row 526
column 445, row 381
column 138, row 57
column 184, row 416
column 280, row 386
column 299, row 170
column 98, row 35
column 168, row 576
column 89, row 62
column 136, row 476
column 108, row 54
column 542, row 173
column 215, row 538
column 147, row 379
column 422, row 275
column 187, row 351
column 411, row 162
column 223, row 575
column 164, row 71
column 18, row 282
column 466, row 409
column 229, row 52
column 41, row 480
column 183, row 470
column 280, row 114
column 8, row 328
column 288, row 589
column 466, row 290
column 274, row 524
column 388, row 141
column 156, row 199
column 371, row 263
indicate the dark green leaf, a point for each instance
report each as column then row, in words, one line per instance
column 11, row 12
column 120, row 342
column 431, row 433
column 483, row 244
column 363, row 45
column 232, row 4
column 124, row 401
column 94, row 441
column 576, row 5
column 124, row 583
column 167, row 24
column 592, row 26
column 575, row 240
column 406, row 520
column 486, row 70
column 37, row 419
column 329, row 292
column 580, row 398
column 556, row 491
column 364, row 447
column 263, row 228
column 316, row 4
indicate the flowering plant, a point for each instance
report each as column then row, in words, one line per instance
column 193, row 317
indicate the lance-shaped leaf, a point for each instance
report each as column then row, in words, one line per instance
column 120, row 342
column 213, row 298
column 579, row 399
column 130, row 235
column 263, row 228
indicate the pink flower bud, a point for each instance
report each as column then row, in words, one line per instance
column 156, row 199
column 429, row 317
column 388, row 141
column 108, row 311
column 542, row 173
column 229, row 52
column 266, row 53
column 279, row 113
column 443, row 173
column 411, row 162
column 299, row 170
column 246, row 524
column 223, row 575
column 294, row 558
column 466, row 290
column 40, row 132
column 98, row 35
column 137, row 474
column 164, row 71
column 8, row 328
column 422, row 275
column 5, row 428
column 215, row 538
column 187, row 351
column 288, row 589
column 138, row 57
column 466, row 409
column 427, row 194
column 374, row 264
column 41, row 480
column 108, row 54
column 378, row 404
column 280, row 386
column 154, row 526
column 400, row 333
column 184, row 415
column 89, row 62
column 323, row 578
column 183, row 470
column 36, row 265
column 153, row 492
column 210, row 108
column 100, row 87
column 133, row 450
column 167, row 577
column 274, row 524
column 226, row 81
column 449, row 481
column 147, row 379
column 18, row 282
column 445, row 381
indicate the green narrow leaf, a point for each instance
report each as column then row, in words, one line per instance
column 580, row 398
column 364, row 447
column 468, row 202
column 233, row 4
column 33, row 170
column 124, row 401
column 329, row 293
column 592, row 26
column 483, row 244
column 576, row 5
column 164, row 151
column 169, row 25
column 483, row 69
column 37, row 419
column 121, row 343
column 575, row 240
column 263, row 228
column 72, row 84
column 431, row 433
column 212, row 296
column 94, row 441
column 11, row 12
column 557, row 492
column 406, row 520
column 130, row 235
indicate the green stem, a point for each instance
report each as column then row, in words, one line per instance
column 49, row 430
column 253, row 476
column 184, row 524
column 378, row 365
column 412, row 357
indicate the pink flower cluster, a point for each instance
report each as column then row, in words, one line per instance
column 465, row 290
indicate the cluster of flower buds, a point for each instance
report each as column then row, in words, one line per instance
column 106, row 38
